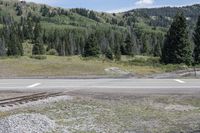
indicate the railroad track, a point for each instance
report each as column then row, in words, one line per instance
column 26, row 99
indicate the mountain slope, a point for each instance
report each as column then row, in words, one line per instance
column 147, row 27
column 163, row 16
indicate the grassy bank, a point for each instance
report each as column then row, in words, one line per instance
column 78, row 66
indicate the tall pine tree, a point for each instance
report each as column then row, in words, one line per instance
column 129, row 45
column 38, row 48
column 177, row 48
column 91, row 46
column 2, row 47
column 117, row 53
column 12, row 39
column 196, row 38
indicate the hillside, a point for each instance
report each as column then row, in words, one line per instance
column 146, row 27
column 163, row 16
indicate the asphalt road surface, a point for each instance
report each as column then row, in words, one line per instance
column 188, row 86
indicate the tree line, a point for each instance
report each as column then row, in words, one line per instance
column 174, row 48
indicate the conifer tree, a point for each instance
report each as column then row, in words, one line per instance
column 145, row 48
column 29, row 28
column 2, row 47
column 13, row 41
column 117, row 52
column 91, row 47
column 19, row 10
column 44, row 10
column 196, row 38
column 37, row 32
column 157, row 50
column 177, row 48
column 38, row 48
column 129, row 45
column 109, row 53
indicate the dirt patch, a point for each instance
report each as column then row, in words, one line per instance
column 180, row 108
column 116, row 71
column 173, row 107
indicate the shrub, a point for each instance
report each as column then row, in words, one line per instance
column 151, row 61
column 109, row 54
column 38, row 49
column 52, row 52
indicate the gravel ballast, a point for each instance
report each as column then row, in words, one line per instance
column 26, row 123
column 46, row 101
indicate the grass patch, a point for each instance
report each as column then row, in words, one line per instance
column 127, row 114
column 52, row 66
column 153, row 63
column 78, row 66
column 38, row 57
column 4, row 114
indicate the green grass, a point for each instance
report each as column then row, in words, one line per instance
column 150, row 62
column 143, row 27
column 78, row 66
column 53, row 66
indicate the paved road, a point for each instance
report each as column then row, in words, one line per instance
column 103, row 85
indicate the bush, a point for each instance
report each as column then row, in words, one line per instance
column 109, row 54
column 38, row 57
column 52, row 52
column 38, row 49
column 151, row 61
column 174, row 67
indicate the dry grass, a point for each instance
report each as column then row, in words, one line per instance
column 63, row 66
column 121, row 114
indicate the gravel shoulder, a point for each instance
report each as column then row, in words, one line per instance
column 105, row 113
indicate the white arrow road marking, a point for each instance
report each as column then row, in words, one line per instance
column 34, row 85
column 180, row 81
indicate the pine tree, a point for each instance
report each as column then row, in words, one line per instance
column 117, row 52
column 177, row 48
column 196, row 38
column 38, row 48
column 91, row 47
column 19, row 10
column 2, row 47
column 37, row 32
column 14, row 46
column 13, row 41
column 29, row 28
column 145, row 48
column 129, row 45
column 44, row 10
column 109, row 54
column 157, row 50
